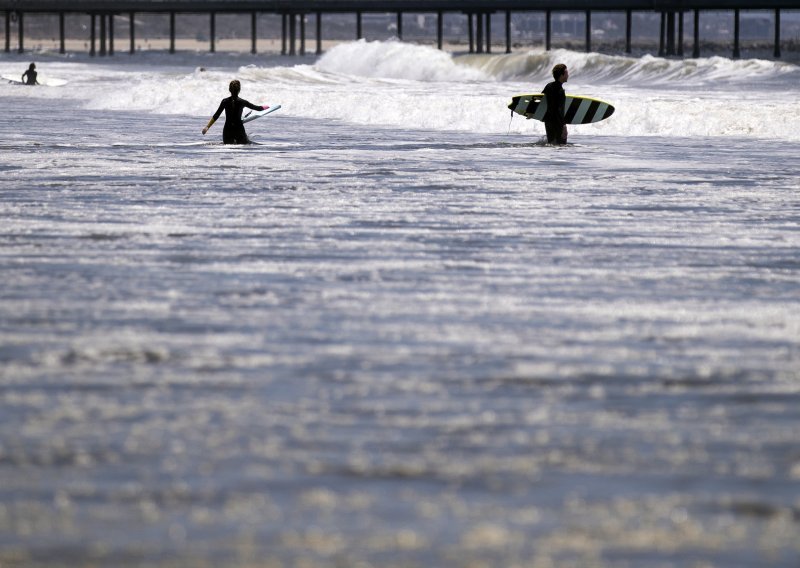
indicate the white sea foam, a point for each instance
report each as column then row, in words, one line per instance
column 408, row 86
column 396, row 60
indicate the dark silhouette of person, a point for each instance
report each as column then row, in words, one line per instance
column 554, row 123
column 233, row 132
column 31, row 75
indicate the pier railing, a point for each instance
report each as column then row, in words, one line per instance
column 478, row 14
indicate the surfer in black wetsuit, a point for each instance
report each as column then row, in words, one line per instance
column 233, row 131
column 554, row 122
column 31, row 75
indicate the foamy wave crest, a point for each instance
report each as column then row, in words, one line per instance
column 297, row 74
column 396, row 60
column 766, row 109
column 596, row 67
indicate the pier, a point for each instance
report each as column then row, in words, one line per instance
column 477, row 15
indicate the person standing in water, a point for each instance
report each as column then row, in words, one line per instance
column 554, row 122
column 31, row 75
column 233, row 132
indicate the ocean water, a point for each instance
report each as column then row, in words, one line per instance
column 399, row 330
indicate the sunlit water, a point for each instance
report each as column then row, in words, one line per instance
column 372, row 341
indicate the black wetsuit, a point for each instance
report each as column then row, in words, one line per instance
column 31, row 77
column 233, row 131
column 554, row 116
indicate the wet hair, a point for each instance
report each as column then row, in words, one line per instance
column 235, row 87
column 32, row 66
column 558, row 70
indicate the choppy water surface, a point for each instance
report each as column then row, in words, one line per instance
column 371, row 346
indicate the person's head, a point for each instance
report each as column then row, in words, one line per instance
column 560, row 73
column 235, row 87
column 32, row 66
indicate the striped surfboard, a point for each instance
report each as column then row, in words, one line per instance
column 577, row 110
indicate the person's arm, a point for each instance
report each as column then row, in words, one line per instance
column 562, row 112
column 562, row 102
column 252, row 106
column 215, row 117
column 555, row 107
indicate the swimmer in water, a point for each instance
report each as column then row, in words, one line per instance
column 233, row 132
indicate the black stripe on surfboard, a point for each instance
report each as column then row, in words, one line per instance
column 589, row 116
column 569, row 112
column 519, row 105
column 534, row 106
column 530, row 108
column 609, row 112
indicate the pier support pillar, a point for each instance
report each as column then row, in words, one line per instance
column 508, row 31
column 102, row 35
column 680, row 33
column 661, row 34
column 588, row 31
column 8, row 31
column 439, row 29
column 736, row 22
column 696, row 48
column 777, row 52
column 628, row 27
column 302, row 18
column 212, row 32
column 319, row 33
column 253, row 32
column 670, row 33
column 400, row 26
column 548, row 30
column 62, row 48
column 359, row 27
column 111, row 34
column 172, row 32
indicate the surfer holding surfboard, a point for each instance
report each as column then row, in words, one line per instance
column 557, row 109
column 554, row 122
column 233, row 132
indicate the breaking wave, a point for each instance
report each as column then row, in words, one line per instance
column 613, row 69
column 396, row 60
column 409, row 86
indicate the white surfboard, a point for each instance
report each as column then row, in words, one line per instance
column 259, row 113
column 46, row 81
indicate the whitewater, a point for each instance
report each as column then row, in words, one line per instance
column 399, row 330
